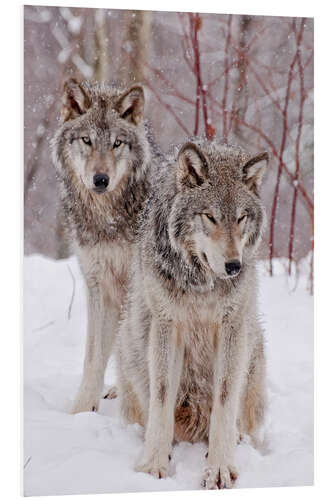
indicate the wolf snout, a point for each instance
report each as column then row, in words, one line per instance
column 233, row 267
column 101, row 182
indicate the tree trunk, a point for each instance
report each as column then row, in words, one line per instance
column 101, row 66
column 135, row 47
column 241, row 88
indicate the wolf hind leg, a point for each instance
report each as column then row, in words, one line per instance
column 254, row 401
column 133, row 402
column 130, row 407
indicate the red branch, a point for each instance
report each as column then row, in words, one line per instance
column 282, row 148
column 196, row 24
column 237, row 53
column 276, row 103
column 268, row 141
column 299, row 132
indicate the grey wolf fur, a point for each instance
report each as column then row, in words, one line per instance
column 102, row 134
column 190, row 354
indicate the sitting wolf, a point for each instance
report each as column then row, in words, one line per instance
column 102, row 153
column 190, row 357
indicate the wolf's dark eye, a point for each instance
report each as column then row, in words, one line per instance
column 86, row 140
column 117, row 143
column 210, row 217
column 242, row 218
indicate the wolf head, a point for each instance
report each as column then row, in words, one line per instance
column 102, row 139
column 217, row 217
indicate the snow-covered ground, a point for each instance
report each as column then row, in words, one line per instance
column 96, row 452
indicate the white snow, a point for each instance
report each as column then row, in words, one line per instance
column 96, row 452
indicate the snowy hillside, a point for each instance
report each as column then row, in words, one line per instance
column 96, row 452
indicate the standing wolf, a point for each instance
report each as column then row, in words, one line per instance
column 102, row 154
column 190, row 355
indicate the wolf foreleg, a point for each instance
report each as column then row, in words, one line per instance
column 229, row 371
column 102, row 323
column 165, row 359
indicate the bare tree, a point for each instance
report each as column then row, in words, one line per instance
column 135, row 50
column 244, row 79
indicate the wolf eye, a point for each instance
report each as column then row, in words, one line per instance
column 241, row 218
column 210, row 217
column 86, row 140
column 117, row 143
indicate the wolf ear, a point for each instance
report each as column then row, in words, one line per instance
column 192, row 166
column 75, row 101
column 254, row 170
column 131, row 103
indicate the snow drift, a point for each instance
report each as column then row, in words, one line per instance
column 96, row 452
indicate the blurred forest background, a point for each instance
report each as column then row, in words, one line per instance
column 245, row 79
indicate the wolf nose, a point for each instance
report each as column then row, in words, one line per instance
column 101, row 182
column 233, row 267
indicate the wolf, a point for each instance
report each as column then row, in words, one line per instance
column 190, row 351
column 102, row 153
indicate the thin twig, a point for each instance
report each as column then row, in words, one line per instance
column 73, row 293
column 33, row 162
column 27, row 462
column 167, row 107
column 269, row 142
column 297, row 159
column 43, row 326
column 282, row 147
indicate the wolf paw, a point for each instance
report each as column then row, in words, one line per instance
column 156, row 466
column 85, row 402
column 217, row 478
column 112, row 393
